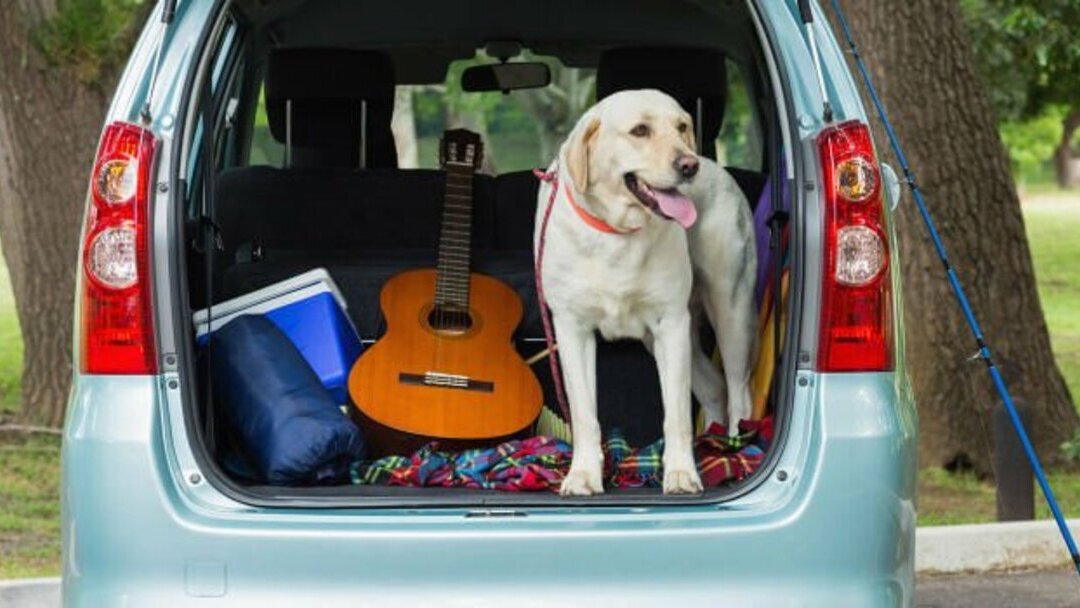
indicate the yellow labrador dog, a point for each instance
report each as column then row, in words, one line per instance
column 640, row 223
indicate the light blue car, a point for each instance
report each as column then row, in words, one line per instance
column 155, row 513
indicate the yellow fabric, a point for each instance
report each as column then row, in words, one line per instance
column 761, row 378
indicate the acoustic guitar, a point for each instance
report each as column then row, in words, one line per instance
column 446, row 368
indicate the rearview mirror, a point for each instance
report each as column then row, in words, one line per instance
column 505, row 77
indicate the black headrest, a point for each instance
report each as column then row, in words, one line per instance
column 686, row 74
column 328, row 89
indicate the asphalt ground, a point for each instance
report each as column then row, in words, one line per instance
column 1050, row 589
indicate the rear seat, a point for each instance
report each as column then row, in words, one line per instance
column 365, row 227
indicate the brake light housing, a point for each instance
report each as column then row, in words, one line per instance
column 117, row 333
column 856, row 328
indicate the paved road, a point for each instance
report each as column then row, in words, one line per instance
column 1057, row 589
column 30, row 593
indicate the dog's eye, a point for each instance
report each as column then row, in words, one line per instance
column 641, row 130
column 683, row 127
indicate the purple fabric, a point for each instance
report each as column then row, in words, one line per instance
column 761, row 232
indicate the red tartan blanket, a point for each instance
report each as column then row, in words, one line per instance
column 539, row 463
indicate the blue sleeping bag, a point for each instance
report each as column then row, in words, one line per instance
column 287, row 423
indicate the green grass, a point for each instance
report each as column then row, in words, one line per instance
column 29, row 506
column 11, row 351
column 29, row 468
column 960, row 498
column 1053, row 226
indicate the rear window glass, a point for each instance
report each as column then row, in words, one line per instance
column 740, row 143
column 265, row 150
column 521, row 129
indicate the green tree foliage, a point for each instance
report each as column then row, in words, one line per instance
column 1028, row 52
column 1031, row 143
column 93, row 37
column 1046, row 34
column 997, row 57
column 1029, row 57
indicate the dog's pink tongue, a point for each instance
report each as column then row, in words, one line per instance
column 676, row 206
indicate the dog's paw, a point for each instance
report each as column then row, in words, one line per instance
column 741, row 409
column 582, row 482
column 682, row 481
column 733, row 427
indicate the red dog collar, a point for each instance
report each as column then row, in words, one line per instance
column 590, row 220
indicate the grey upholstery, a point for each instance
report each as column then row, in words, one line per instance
column 691, row 76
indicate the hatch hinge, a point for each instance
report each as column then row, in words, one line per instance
column 168, row 11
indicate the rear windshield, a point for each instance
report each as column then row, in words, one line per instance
column 521, row 129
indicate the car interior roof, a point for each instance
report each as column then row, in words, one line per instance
column 423, row 37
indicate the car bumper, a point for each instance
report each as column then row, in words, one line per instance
column 832, row 525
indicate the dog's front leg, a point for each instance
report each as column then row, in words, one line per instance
column 577, row 355
column 671, row 343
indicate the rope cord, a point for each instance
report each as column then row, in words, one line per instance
column 551, row 178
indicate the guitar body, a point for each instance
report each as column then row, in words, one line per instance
column 463, row 384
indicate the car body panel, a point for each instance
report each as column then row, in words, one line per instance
column 134, row 535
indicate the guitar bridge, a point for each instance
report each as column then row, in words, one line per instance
column 442, row 380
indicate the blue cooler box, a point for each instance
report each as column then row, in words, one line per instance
column 310, row 310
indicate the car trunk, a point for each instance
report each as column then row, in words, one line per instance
column 286, row 194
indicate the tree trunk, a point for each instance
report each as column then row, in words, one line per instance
column 1066, row 165
column 49, row 123
column 920, row 56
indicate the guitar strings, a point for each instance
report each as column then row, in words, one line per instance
column 452, row 276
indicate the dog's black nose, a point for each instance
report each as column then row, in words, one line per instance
column 687, row 165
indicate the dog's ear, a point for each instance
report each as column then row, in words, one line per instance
column 578, row 148
column 688, row 134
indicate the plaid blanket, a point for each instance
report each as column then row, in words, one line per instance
column 540, row 463
column 536, row 463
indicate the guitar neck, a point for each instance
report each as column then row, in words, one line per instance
column 452, row 284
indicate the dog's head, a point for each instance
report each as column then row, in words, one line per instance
column 632, row 156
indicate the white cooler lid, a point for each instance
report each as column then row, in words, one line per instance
column 293, row 289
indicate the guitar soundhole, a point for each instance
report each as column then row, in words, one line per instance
column 449, row 320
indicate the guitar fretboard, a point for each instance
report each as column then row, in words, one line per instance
column 452, row 284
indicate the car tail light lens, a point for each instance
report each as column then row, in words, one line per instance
column 856, row 332
column 860, row 255
column 117, row 334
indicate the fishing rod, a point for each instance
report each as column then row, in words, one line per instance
column 954, row 282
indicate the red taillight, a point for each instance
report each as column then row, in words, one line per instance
column 117, row 333
column 856, row 298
